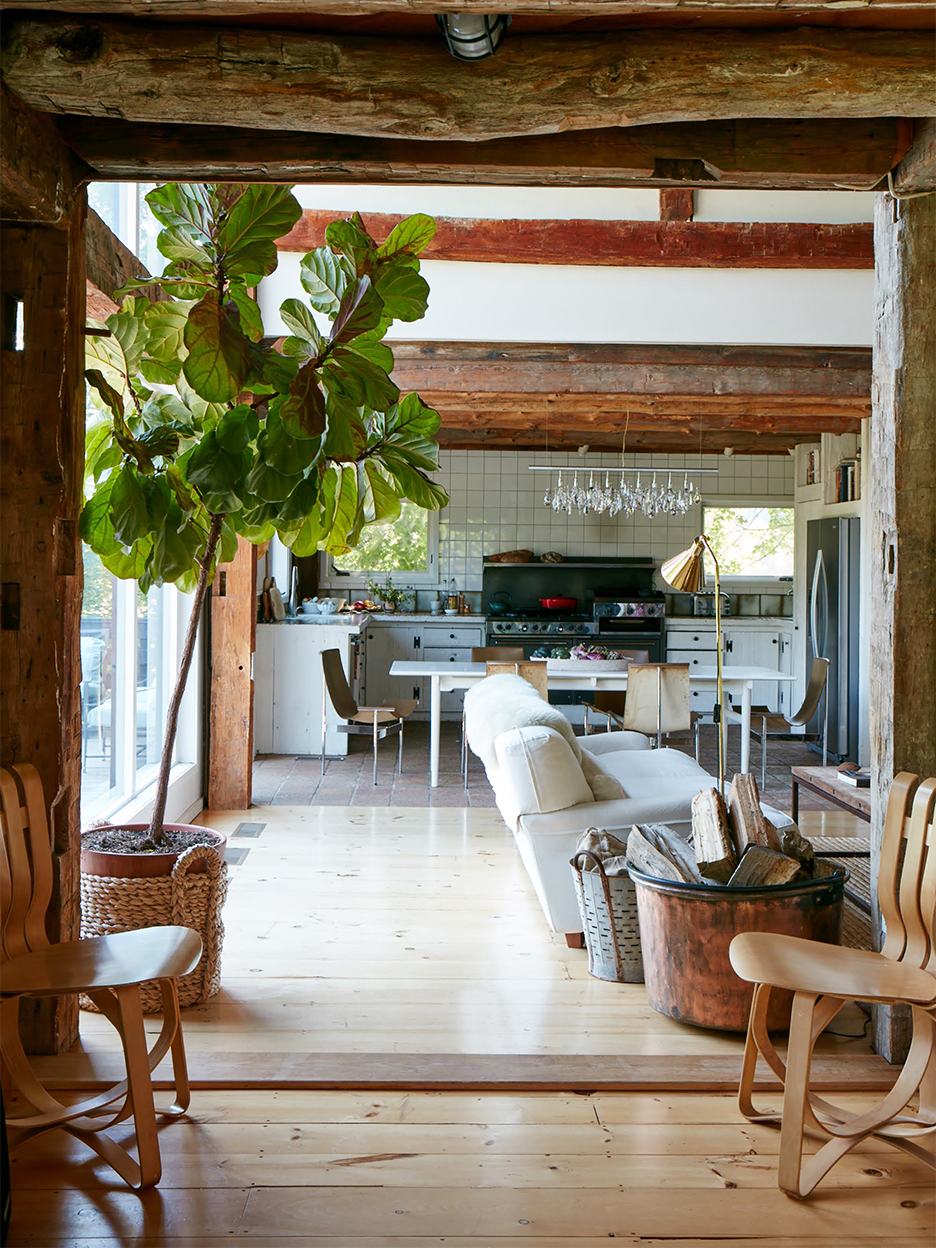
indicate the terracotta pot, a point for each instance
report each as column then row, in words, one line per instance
column 685, row 931
column 145, row 866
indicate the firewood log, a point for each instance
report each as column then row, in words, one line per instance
column 761, row 866
column 749, row 824
column 644, row 851
column 711, row 835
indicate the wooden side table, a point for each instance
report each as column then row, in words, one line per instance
column 825, row 782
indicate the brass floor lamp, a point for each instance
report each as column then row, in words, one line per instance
column 685, row 572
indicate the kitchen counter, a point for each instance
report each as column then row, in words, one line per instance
column 358, row 618
column 730, row 621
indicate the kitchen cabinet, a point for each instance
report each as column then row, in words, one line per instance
column 696, row 646
column 755, row 647
column 445, row 642
column 289, row 687
column 786, row 698
column 746, row 642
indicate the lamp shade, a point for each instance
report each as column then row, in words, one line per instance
column 686, row 571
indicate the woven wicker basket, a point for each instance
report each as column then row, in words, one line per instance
column 608, row 906
column 189, row 899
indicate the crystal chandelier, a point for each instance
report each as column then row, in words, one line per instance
column 653, row 491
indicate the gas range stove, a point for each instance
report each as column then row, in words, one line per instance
column 534, row 623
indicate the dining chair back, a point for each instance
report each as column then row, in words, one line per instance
column 497, row 654
column 533, row 672
column 816, row 687
column 657, row 699
column 376, row 721
column 610, row 702
column 109, row 969
column 825, row 978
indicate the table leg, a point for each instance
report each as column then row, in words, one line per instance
column 435, row 720
column 746, row 725
column 794, row 814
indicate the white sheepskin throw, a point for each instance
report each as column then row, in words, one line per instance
column 498, row 703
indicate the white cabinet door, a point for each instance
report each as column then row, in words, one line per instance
column 384, row 644
column 755, row 647
column 785, row 695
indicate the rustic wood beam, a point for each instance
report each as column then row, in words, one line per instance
column 609, row 413
column 110, row 265
column 231, row 688
column 697, row 373
column 791, row 155
column 677, row 205
column 647, row 244
column 43, row 404
column 902, row 540
column 541, row 84
column 366, row 8
column 39, row 174
column 917, row 171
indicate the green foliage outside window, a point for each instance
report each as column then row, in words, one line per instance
column 751, row 541
column 399, row 546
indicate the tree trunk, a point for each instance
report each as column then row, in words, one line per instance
column 156, row 831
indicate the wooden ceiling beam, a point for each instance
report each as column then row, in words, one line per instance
column 643, row 441
column 609, row 413
column 39, row 174
column 916, row 173
column 540, row 84
column 111, row 265
column 695, row 373
column 744, row 154
column 654, row 244
column 367, row 8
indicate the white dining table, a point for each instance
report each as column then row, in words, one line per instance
column 446, row 677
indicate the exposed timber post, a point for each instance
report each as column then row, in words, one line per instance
column 903, row 520
column 233, row 633
column 42, row 387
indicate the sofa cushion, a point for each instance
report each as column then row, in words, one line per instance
column 600, row 743
column 536, row 772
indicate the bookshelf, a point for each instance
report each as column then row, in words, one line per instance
column 840, row 456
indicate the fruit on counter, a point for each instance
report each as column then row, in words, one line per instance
column 364, row 604
column 551, row 556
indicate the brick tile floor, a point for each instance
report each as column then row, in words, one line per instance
column 281, row 780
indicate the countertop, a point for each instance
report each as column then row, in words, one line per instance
column 358, row 618
column 729, row 621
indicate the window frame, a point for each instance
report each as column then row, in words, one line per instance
column 736, row 579
column 331, row 578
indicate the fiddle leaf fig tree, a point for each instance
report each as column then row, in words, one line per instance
column 206, row 432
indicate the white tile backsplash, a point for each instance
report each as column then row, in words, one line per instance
column 497, row 505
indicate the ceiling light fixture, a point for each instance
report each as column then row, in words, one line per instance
column 472, row 37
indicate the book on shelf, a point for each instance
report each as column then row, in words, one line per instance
column 846, row 481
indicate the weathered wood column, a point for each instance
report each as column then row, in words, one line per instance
column 903, row 518
column 42, row 391
column 233, row 632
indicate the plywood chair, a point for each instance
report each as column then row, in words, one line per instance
column 109, row 969
column 824, row 978
column 658, row 700
column 533, row 672
column 610, row 702
column 375, row 721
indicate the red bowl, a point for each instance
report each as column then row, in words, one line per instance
column 558, row 604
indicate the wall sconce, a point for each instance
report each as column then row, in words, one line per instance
column 472, row 37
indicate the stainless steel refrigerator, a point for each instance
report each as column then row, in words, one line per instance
column 832, row 563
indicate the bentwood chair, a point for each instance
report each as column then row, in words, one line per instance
column 109, row 969
column 610, row 702
column 824, row 978
column 658, row 700
column 767, row 725
column 376, row 722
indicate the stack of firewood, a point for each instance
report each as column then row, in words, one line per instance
column 733, row 844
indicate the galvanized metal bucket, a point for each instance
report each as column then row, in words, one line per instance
column 685, row 931
column 608, row 906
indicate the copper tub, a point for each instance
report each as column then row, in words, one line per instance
column 685, row 931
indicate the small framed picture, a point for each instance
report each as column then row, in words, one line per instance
column 812, row 468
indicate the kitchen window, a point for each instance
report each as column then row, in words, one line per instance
column 752, row 541
column 405, row 550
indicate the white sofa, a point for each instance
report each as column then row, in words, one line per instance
column 540, row 785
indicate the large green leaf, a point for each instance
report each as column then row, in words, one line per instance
column 413, row 484
column 159, row 374
column 130, row 514
column 237, row 428
column 212, row 468
column 307, row 539
column 412, row 236
column 298, row 318
column 175, row 551
column 346, row 439
column 376, row 352
column 302, row 502
column 349, row 238
column 346, row 503
column 179, row 243
column 109, row 396
column 101, row 451
column 219, row 357
column 381, row 500
column 184, row 204
column 303, row 412
column 262, row 211
column 413, row 418
column 359, row 312
column 251, row 319
column 324, row 277
column 269, row 484
column 287, row 454
column 96, row 525
column 129, row 565
column 404, row 293
column 362, row 382
column 255, row 259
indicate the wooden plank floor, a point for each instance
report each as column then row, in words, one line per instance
column 356, row 939
column 354, row 1170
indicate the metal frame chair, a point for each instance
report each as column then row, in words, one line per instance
column 376, row 721
column 824, row 978
column 774, row 725
column 663, row 710
column 110, row 969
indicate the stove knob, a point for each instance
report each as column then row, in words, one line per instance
column 524, row 628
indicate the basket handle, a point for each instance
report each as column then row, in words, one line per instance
column 586, row 854
column 214, row 865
